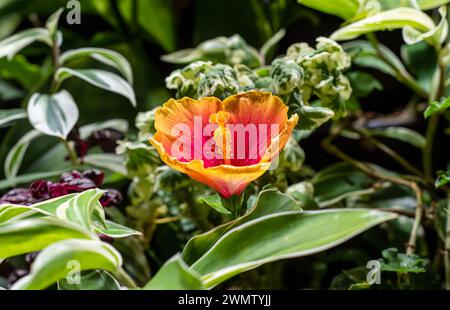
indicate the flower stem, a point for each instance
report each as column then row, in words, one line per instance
column 125, row 279
column 233, row 204
column 72, row 154
column 447, row 247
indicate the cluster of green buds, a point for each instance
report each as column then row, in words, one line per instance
column 310, row 80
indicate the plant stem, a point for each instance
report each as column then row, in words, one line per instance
column 125, row 279
column 396, row 156
column 332, row 149
column 447, row 247
column 428, row 149
column 72, row 154
column 402, row 76
column 233, row 204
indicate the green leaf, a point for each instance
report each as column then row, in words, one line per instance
column 100, row 78
column 115, row 123
column 387, row 20
column 15, row 155
column 403, row 134
column 7, row 93
column 115, row 230
column 91, row 280
column 53, row 115
column 12, row 45
column 11, row 115
column 27, row 178
column 269, row 201
column 11, row 212
column 28, row 75
column 363, row 84
column 340, row 181
column 52, row 22
column 270, row 44
column 58, row 260
column 214, row 202
column 364, row 54
column 280, row 236
column 175, row 275
column 32, row 235
column 436, row 36
column 344, row 9
column 81, row 208
column 312, row 117
column 111, row 162
column 443, row 178
column 105, row 56
column 402, row 263
column 437, row 107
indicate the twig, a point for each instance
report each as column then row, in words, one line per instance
column 332, row 149
column 125, row 279
column 447, row 247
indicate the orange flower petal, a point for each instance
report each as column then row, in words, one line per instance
column 225, row 179
column 246, row 108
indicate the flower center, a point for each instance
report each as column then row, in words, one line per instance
column 222, row 136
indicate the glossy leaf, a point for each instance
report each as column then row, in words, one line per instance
column 52, row 22
column 15, row 155
column 100, row 78
column 54, row 115
column 56, row 262
column 175, row 275
column 214, row 202
column 403, row 134
column 81, row 208
column 111, row 162
column 269, row 201
column 105, row 56
column 437, row 107
column 13, row 44
column 339, row 181
column 28, row 178
column 280, row 236
column 115, row 230
column 32, row 235
column 91, row 280
column 345, row 9
column 10, row 115
column 387, row 20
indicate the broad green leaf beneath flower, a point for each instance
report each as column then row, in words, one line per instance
column 100, row 78
column 269, row 201
column 30, row 235
column 53, row 115
column 58, row 260
column 105, row 56
column 280, row 236
column 175, row 275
